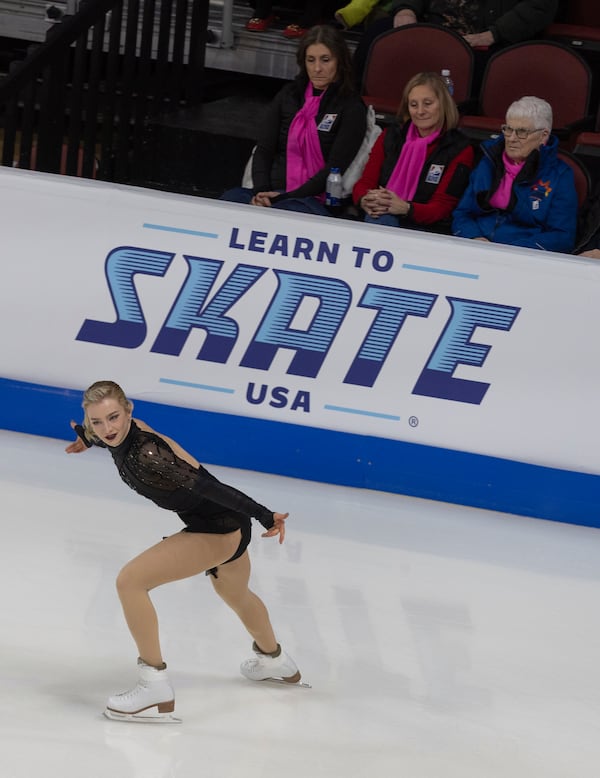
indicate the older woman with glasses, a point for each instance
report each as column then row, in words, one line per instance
column 521, row 193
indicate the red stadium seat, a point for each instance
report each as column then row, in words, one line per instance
column 587, row 144
column 538, row 68
column 583, row 181
column 580, row 28
column 399, row 54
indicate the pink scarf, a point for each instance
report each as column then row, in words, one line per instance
column 304, row 157
column 501, row 197
column 406, row 172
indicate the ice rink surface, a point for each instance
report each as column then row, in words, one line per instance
column 440, row 641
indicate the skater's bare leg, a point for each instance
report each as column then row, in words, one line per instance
column 178, row 556
column 232, row 586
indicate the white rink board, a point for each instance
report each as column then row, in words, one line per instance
column 156, row 272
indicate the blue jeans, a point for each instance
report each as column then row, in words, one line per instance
column 238, row 195
column 297, row 204
column 387, row 220
column 303, row 205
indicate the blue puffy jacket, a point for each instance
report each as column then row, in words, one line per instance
column 542, row 212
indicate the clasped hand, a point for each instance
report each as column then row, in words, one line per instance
column 263, row 199
column 381, row 200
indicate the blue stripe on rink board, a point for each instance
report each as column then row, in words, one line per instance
column 361, row 412
column 330, row 456
column 190, row 385
column 441, row 271
column 167, row 228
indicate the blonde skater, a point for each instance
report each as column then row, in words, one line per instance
column 214, row 540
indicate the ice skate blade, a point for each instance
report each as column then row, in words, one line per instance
column 281, row 682
column 144, row 717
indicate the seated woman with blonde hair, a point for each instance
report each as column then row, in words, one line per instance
column 419, row 167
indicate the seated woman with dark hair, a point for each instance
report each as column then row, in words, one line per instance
column 315, row 123
column 420, row 166
column 521, row 193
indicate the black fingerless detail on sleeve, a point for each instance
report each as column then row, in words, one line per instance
column 81, row 434
column 80, row 430
column 265, row 517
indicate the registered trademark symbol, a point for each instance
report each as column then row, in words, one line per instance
column 413, row 421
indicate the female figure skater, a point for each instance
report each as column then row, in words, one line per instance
column 215, row 540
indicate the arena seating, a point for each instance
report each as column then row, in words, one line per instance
column 545, row 69
column 398, row 54
column 580, row 28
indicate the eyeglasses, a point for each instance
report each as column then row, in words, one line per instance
column 520, row 132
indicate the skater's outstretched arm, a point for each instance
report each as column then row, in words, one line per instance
column 81, row 442
column 209, row 483
column 277, row 530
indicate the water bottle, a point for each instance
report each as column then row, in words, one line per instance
column 333, row 190
column 447, row 79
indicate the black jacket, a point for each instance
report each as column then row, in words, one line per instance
column 339, row 144
column 509, row 21
column 588, row 232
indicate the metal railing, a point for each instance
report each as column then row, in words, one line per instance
column 79, row 102
column 224, row 12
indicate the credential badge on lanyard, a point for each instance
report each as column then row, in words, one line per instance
column 327, row 122
column 435, row 174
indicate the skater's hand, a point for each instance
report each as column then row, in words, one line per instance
column 77, row 446
column 278, row 528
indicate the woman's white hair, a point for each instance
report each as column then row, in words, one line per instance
column 534, row 108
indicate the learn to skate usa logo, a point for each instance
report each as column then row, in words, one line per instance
column 209, row 292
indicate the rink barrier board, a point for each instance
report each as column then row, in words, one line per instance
column 332, row 457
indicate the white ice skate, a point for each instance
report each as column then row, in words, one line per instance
column 152, row 699
column 278, row 669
